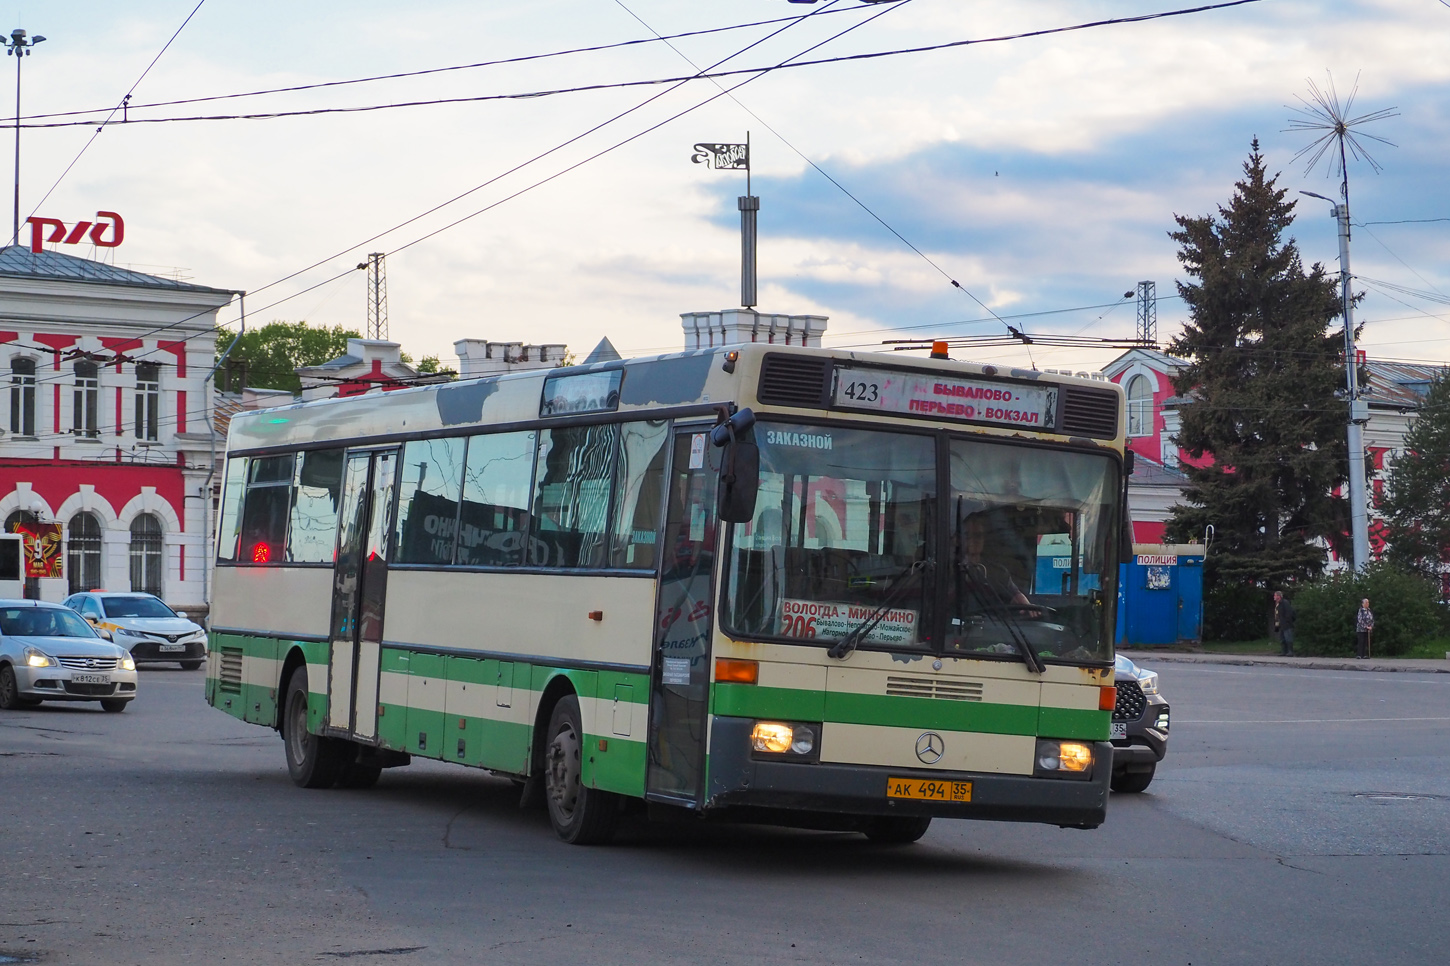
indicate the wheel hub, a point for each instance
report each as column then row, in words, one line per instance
column 562, row 770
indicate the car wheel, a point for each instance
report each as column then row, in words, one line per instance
column 581, row 816
column 1133, row 781
column 9, row 689
column 190, row 665
column 114, row 705
column 897, row 830
column 313, row 761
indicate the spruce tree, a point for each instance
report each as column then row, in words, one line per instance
column 1260, row 384
column 1416, row 504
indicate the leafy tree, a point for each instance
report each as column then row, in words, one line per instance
column 1416, row 504
column 272, row 353
column 1406, row 609
column 430, row 364
column 1261, row 380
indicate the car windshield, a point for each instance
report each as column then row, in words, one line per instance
column 136, row 607
column 1034, row 559
column 842, row 516
column 43, row 622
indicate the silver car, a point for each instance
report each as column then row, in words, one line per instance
column 48, row 653
column 145, row 626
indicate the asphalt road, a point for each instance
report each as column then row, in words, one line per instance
column 1301, row 817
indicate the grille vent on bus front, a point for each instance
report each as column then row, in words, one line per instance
column 1089, row 412
column 791, row 380
column 231, row 676
column 904, row 687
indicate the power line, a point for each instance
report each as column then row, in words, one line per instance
column 458, row 67
column 432, row 102
column 119, row 107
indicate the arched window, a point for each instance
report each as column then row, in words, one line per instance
column 22, row 397
column 83, row 552
column 1140, row 406
column 146, row 555
column 12, row 525
column 86, row 414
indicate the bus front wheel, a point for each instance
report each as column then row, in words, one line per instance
column 313, row 761
column 581, row 816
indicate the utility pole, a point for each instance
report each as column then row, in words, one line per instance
column 19, row 48
column 1358, row 408
column 377, row 296
column 736, row 157
column 1148, row 312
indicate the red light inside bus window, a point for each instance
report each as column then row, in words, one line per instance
column 261, row 553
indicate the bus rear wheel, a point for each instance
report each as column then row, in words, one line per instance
column 897, row 829
column 313, row 761
column 580, row 815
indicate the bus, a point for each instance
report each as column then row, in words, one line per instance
column 811, row 587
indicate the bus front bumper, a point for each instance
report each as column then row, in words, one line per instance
column 737, row 779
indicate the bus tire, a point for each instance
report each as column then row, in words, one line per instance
column 897, row 829
column 313, row 761
column 580, row 815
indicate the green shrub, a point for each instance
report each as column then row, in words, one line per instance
column 1406, row 611
column 1236, row 613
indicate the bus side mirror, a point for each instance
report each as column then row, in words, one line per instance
column 740, row 468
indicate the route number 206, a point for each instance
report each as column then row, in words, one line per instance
column 864, row 392
column 798, row 625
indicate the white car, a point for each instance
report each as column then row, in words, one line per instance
column 47, row 653
column 144, row 626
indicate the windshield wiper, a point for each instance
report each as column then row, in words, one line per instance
column 856, row 634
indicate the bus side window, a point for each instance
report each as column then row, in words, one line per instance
column 495, row 513
column 571, row 496
column 230, row 528
column 432, row 473
column 639, row 482
column 312, row 532
column 264, row 513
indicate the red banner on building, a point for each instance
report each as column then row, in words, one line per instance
column 42, row 549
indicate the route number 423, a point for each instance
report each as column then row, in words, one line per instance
column 862, row 391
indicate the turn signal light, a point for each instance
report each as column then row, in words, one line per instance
column 736, row 671
column 1107, row 699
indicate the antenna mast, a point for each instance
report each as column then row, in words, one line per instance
column 1148, row 312
column 377, row 297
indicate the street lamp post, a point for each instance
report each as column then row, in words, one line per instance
column 1358, row 408
column 19, row 48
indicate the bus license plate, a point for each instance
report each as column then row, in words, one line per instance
column 928, row 790
column 1120, row 730
column 91, row 678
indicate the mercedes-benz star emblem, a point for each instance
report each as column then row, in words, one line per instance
column 930, row 747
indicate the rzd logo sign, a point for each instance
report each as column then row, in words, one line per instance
column 76, row 235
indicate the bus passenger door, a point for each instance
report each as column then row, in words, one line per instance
column 684, row 617
column 359, row 586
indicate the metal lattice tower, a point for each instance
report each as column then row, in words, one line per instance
column 377, row 297
column 1147, row 312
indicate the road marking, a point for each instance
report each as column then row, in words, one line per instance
column 1382, row 677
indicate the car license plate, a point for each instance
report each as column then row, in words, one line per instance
column 1120, row 730
column 172, row 647
column 91, row 678
column 926, row 789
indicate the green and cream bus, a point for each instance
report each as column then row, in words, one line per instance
column 759, row 583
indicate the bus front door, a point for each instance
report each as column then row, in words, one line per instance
column 680, row 665
column 360, row 584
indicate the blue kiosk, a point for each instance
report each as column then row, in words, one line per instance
column 1160, row 595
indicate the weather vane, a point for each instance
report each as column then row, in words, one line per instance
column 736, row 157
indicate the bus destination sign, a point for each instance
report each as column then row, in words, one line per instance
column 945, row 397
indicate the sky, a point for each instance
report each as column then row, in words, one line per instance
column 1042, row 173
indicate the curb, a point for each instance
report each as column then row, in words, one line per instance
column 1420, row 666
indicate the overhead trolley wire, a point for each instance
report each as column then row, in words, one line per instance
column 712, row 74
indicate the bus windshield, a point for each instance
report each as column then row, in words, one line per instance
column 849, row 526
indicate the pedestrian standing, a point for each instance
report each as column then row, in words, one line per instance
column 1284, row 624
column 1363, row 629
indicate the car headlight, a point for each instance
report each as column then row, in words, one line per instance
column 1148, row 681
column 38, row 658
column 128, row 663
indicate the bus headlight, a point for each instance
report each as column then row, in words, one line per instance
column 786, row 738
column 1063, row 758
